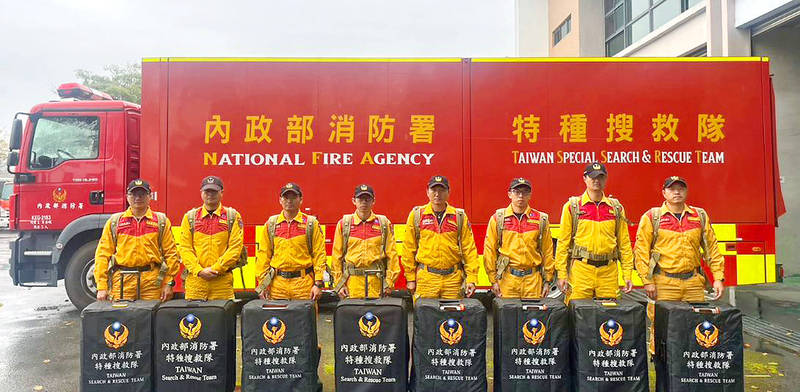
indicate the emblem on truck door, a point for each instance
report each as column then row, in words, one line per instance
column 59, row 195
column 274, row 330
column 116, row 335
column 707, row 334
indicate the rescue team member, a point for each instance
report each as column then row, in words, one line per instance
column 363, row 245
column 290, row 261
column 668, row 245
column 518, row 250
column 138, row 241
column 594, row 236
column 438, row 248
column 210, row 244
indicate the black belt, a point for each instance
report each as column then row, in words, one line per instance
column 519, row 273
column 681, row 275
column 146, row 268
column 294, row 274
column 596, row 263
column 438, row 271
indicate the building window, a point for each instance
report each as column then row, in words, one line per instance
column 562, row 30
column 628, row 21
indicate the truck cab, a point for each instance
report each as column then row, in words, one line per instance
column 70, row 163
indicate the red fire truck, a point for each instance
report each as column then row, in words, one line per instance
column 329, row 124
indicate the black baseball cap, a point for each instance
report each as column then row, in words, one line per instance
column 139, row 183
column 439, row 180
column 673, row 179
column 291, row 187
column 364, row 189
column 518, row 182
column 595, row 169
column 211, row 182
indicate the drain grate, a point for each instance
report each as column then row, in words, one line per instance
column 780, row 336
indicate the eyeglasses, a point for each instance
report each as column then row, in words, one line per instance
column 521, row 192
column 139, row 194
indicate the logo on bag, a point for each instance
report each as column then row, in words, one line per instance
column 369, row 324
column 116, row 335
column 190, row 327
column 451, row 331
column 274, row 330
column 611, row 333
column 707, row 334
column 533, row 331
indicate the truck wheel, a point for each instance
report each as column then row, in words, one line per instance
column 79, row 276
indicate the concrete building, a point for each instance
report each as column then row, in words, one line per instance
column 668, row 28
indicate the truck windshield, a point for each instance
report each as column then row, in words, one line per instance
column 60, row 139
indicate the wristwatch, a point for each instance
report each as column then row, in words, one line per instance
column 171, row 283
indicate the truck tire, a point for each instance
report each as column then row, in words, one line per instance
column 79, row 276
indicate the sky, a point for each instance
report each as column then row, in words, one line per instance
column 42, row 43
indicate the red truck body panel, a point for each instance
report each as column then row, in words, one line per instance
column 475, row 141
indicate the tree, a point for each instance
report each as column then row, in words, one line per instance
column 122, row 82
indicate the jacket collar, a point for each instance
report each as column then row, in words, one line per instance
column 510, row 211
column 357, row 220
column 299, row 218
column 217, row 212
column 686, row 210
column 449, row 210
column 585, row 199
column 148, row 214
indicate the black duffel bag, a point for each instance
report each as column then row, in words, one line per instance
column 449, row 351
column 609, row 349
column 195, row 346
column 279, row 346
column 117, row 346
column 531, row 345
column 371, row 345
column 698, row 347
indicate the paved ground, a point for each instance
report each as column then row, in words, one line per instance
column 40, row 343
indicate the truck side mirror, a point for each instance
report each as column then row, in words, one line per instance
column 13, row 158
column 16, row 135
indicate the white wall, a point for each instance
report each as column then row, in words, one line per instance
column 532, row 32
column 748, row 11
column 780, row 45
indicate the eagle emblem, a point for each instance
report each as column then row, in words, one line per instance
column 289, row 186
column 707, row 334
column 138, row 182
column 438, row 178
column 369, row 325
column 533, row 331
column 190, row 327
column 611, row 333
column 274, row 330
column 596, row 166
column 116, row 335
column 674, row 178
column 210, row 181
column 363, row 187
column 59, row 195
column 451, row 331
